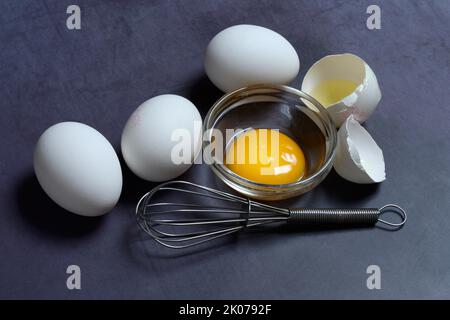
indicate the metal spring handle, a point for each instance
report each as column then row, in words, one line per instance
column 360, row 216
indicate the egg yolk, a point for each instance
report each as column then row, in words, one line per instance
column 266, row 156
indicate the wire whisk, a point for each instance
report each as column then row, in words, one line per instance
column 194, row 214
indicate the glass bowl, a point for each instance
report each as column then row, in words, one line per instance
column 293, row 112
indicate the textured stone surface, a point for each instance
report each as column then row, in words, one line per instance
column 129, row 51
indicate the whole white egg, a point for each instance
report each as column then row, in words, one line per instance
column 244, row 55
column 162, row 137
column 78, row 168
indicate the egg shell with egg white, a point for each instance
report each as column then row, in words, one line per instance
column 362, row 102
column 244, row 55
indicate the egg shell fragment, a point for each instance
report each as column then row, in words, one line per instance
column 244, row 55
column 78, row 168
column 358, row 157
column 147, row 141
column 364, row 99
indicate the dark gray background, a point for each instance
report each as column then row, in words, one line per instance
column 129, row 51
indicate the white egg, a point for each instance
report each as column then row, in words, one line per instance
column 244, row 55
column 78, row 168
column 358, row 157
column 361, row 102
column 158, row 131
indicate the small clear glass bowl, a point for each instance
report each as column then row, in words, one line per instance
column 294, row 113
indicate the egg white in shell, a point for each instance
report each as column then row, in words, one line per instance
column 362, row 102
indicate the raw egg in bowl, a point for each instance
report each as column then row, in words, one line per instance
column 265, row 142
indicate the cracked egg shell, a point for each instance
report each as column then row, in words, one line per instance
column 362, row 101
column 358, row 157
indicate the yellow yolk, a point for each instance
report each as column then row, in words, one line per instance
column 266, row 156
column 329, row 92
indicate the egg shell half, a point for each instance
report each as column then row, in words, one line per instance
column 147, row 139
column 364, row 99
column 244, row 55
column 78, row 168
column 358, row 157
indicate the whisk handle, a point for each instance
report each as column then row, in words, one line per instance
column 360, row 216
